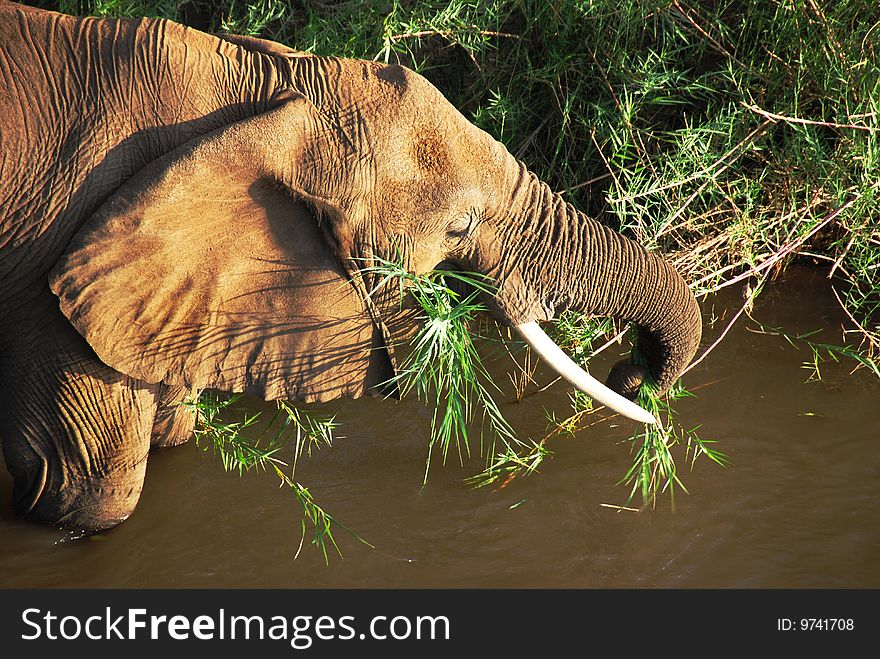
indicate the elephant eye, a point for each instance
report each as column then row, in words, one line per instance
column 460, row 228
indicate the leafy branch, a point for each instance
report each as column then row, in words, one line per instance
column 239, row 452
column 653, row 470
column 444, row 367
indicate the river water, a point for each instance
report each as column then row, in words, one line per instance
column 799, row 505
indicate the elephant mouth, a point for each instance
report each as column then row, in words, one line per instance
column 568, row 369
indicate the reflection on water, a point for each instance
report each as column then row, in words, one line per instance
column 797, row 508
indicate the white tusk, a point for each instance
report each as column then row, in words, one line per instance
column 563, row 364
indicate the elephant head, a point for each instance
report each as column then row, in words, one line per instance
column 235, row 262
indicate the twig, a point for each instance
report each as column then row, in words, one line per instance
column 532, row 136
column 605, row 160
column 842, row 255
column 628, row 509
column 595, row 179
column 549, row 384
column 824, row 257
column 838, row 50
column 472, row 29
column 526, row 373
column 872, row 338
column 605, row 79
column 710, row 244
column 614, row 339
column 809, row 122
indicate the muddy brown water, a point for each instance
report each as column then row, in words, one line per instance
column 798, row 507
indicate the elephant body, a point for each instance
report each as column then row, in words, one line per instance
column 181, row 211
column 72, row 130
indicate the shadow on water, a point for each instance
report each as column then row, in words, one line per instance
column 797, row 508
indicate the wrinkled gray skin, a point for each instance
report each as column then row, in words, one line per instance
column 180, row 211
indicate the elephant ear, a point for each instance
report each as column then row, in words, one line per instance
column 204, row 271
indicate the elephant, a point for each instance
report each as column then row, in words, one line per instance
column 182, row 211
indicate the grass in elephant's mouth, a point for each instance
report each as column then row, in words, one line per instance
column 443, row 366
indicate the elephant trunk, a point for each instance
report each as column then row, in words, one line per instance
column 566, row 260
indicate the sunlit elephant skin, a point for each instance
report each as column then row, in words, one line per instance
column 180, row 211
